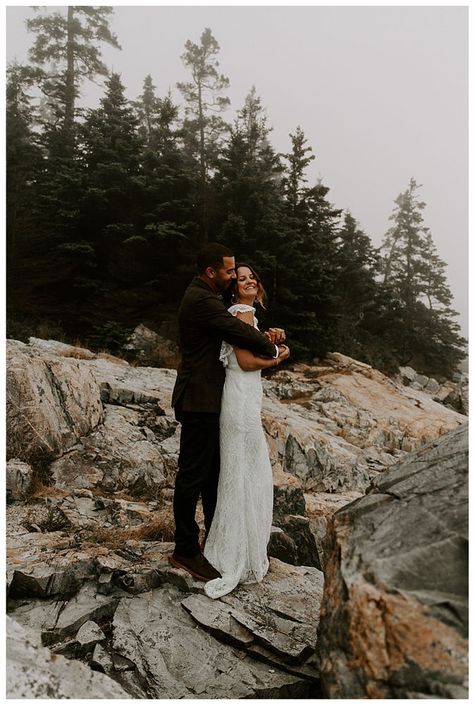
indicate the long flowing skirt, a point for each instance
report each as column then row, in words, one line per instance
column 240, row 531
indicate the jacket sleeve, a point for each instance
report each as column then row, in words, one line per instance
column 212, row 315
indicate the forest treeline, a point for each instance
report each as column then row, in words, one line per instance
column 107, row 207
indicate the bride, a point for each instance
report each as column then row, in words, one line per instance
column 240, row 530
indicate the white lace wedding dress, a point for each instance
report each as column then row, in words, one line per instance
column 237, row 542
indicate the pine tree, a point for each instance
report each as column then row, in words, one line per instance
column 247, row 185
column 312, row 233
column 203, row 128
column 71, row 43
column 357, row 293
column 111, row 150
column 23, row 157
column 167, row 215
column 427, row 336
column 298, row 161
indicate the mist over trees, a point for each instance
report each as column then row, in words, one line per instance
column 107, row 207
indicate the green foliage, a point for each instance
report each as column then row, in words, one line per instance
column 203, row 127
column 110, row 336
column 68, row 44
column 424, row 333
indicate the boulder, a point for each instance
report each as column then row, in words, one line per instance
column 151, row 349
column 394, row 610
column 84, row 643
column 34, row 672
column 51, row 402
column 19, row 479
column 454, row 396
column 46, row 564
column 407, row 375
column 121, row 455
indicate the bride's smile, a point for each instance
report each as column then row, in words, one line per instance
column 247, row 285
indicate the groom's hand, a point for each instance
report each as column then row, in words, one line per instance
column 276, row 335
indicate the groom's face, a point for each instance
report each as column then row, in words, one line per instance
column 224, row 275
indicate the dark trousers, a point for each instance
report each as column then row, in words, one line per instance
column 198, row 475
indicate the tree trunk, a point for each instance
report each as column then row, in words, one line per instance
column 202, row 167
column 70, row 96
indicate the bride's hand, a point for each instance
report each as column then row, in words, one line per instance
column 276, row 335
column 283, row 353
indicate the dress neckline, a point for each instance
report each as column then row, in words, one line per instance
column 242, row 308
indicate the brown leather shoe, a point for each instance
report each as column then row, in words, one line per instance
column 197, row 565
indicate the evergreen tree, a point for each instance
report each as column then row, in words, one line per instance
column 71, row 43
column 247, row 185
column 167, row 216
column 312, row 246
column 361, row 302
column 112, row 197
column 66, row 51
column 427, row 336
column 203, row 128
column 248, row 196
column 298, row 161
column 23, row 157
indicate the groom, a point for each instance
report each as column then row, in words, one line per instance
column 204, row 323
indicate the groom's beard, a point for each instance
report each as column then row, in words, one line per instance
column 223, row 286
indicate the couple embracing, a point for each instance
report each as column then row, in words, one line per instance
column 217, row 399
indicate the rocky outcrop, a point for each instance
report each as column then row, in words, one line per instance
column 453, row 394
column 292, row 541
column 110, row 426
column 19, row 479
column 336, row 426
column 394, row 610
column 34, row 672
column 51, row 402
column 87, row 557
column 123, row 454
column 257, row 643
column 171, row 641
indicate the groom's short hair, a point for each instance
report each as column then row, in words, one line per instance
column 212, row 255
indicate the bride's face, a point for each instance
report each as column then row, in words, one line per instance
column 247, row 284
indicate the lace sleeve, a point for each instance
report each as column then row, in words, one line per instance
column 226, row 348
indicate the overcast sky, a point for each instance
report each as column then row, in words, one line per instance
column 380, row 92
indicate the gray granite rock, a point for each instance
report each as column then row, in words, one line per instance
column 288, row 497
column 117, row 456
column 34, row 672
column 394, row 611
column 19, row 479
column 51, row 402
column 90, row 633
column 298, row 545
column 59, row 619
column 175, row 658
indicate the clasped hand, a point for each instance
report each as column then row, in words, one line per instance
column 283, row 352
column 276, row 335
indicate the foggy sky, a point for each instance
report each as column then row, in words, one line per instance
column 380, row 92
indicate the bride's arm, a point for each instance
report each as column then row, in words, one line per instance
column 248, row 362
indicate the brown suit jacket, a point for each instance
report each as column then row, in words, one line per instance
column 204, row 323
